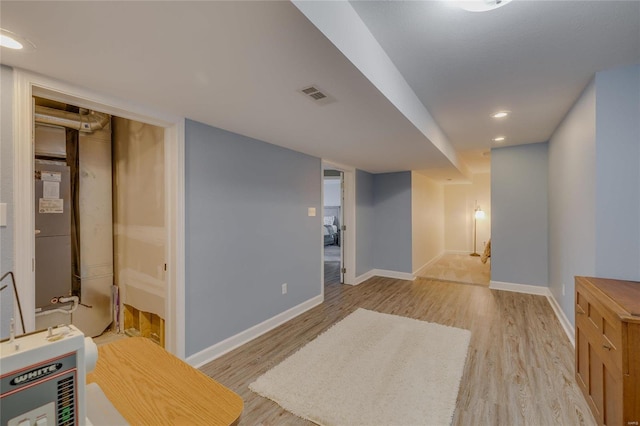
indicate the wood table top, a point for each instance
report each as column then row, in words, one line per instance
column 150, row 386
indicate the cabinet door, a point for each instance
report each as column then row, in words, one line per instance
column 612, row 389
column 582, row 358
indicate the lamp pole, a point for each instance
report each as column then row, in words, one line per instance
column 475, row 233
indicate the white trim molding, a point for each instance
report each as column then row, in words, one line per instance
column 540, row 291
column 212, row 352
column 428, row 264
column 349, row 215
column 386, row 274
column 362, row 278
column 519, row 288
column 27, row 84
column 568, row 328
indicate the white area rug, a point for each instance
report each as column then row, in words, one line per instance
column 372, row 369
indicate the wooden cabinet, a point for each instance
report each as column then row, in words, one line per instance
column 608, row 348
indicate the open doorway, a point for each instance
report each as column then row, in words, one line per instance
column 100, row 222
column 28, row 85
column 333, row 222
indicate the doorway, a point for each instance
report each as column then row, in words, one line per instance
column 99, row 215
column 345, row 177
column 28, row 85
column 333, row 222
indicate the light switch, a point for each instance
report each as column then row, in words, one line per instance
column 312, row 211
column 3, row 214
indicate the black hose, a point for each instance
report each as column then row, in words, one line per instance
column 15, row 291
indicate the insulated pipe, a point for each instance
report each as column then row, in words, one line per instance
column 82, row 122
column 73, row 299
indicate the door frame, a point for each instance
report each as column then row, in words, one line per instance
column 349, row 216
column 26, row 85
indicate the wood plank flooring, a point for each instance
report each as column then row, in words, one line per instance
column 519, row 370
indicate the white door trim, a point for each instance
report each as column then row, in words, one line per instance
column 349, row 215
column 27, row 84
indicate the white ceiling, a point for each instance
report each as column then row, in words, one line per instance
column 533, row 58
column 238, row 66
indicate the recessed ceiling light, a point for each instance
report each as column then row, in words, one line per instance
column 500, row 114
column 14, row 41
column 498, row 139
column 479, row 5
column 6, row 41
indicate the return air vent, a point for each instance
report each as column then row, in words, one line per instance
column 316, row 95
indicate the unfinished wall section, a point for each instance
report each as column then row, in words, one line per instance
column 139, row 226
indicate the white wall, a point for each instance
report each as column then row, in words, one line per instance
column 332, row 191
column 6, row 196
column 427, row 218
column 459, row 204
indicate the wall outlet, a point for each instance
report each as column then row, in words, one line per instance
column 284, row 288
column 563, row 289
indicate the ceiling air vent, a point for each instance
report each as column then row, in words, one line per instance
column 316, row 95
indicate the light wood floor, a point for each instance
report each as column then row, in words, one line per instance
column 519, row 368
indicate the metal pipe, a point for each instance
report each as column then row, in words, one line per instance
column 83, row 122
column 73, row 299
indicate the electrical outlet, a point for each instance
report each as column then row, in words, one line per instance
column 284, row 288
column 563, row 289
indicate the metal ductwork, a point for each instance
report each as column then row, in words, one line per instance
column 83, row 122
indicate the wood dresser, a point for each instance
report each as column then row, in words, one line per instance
column 608, row 348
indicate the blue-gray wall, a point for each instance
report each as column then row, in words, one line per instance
column 247, row 232
column 572, row 182
column 392, row 222
column 364, row 222
column 618, row 173
column 6, row 196
column 594, row 186
column 519, row 214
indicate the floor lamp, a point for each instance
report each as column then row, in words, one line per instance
column 477, row 214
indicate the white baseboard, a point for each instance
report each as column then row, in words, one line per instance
column 540, row 291
column 384, row 273
column 212, row 352
column 393, row 274
column 362, row 278
column 519, row 288
column 569, row 330
column 457, row 252
column 428, row 264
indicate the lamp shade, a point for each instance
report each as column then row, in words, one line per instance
column 479, row 213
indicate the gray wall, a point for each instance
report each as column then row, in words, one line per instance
column 392, row 222
column 6, row 196
column 247, row 232
column 364, row 222
column 618, row 173
column 572, row 181
column 594, row 186
column 519, row 210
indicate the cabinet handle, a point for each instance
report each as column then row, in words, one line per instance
column 607, row 347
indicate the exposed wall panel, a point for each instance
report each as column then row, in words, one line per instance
column 247, row 232
column 139, row 215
